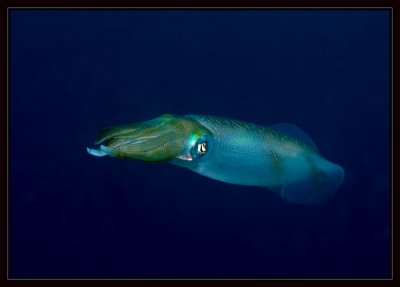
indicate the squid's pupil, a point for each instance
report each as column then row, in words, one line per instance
column 202, row 148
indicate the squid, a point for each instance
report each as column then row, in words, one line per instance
column 280, row 157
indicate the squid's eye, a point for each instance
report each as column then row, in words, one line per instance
column 200, row 148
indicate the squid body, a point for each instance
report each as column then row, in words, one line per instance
column 280, row 157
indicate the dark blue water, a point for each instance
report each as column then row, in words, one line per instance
column 76, row 72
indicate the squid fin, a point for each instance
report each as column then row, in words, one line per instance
column 294, row 132
column 319, row 187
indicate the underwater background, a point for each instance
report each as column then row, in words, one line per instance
column 73, row 73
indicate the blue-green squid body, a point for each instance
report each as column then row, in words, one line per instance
column 281, row 157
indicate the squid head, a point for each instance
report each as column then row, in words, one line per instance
column 159, row 140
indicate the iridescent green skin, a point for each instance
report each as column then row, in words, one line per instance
column 230, row 151
column 157, row 140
